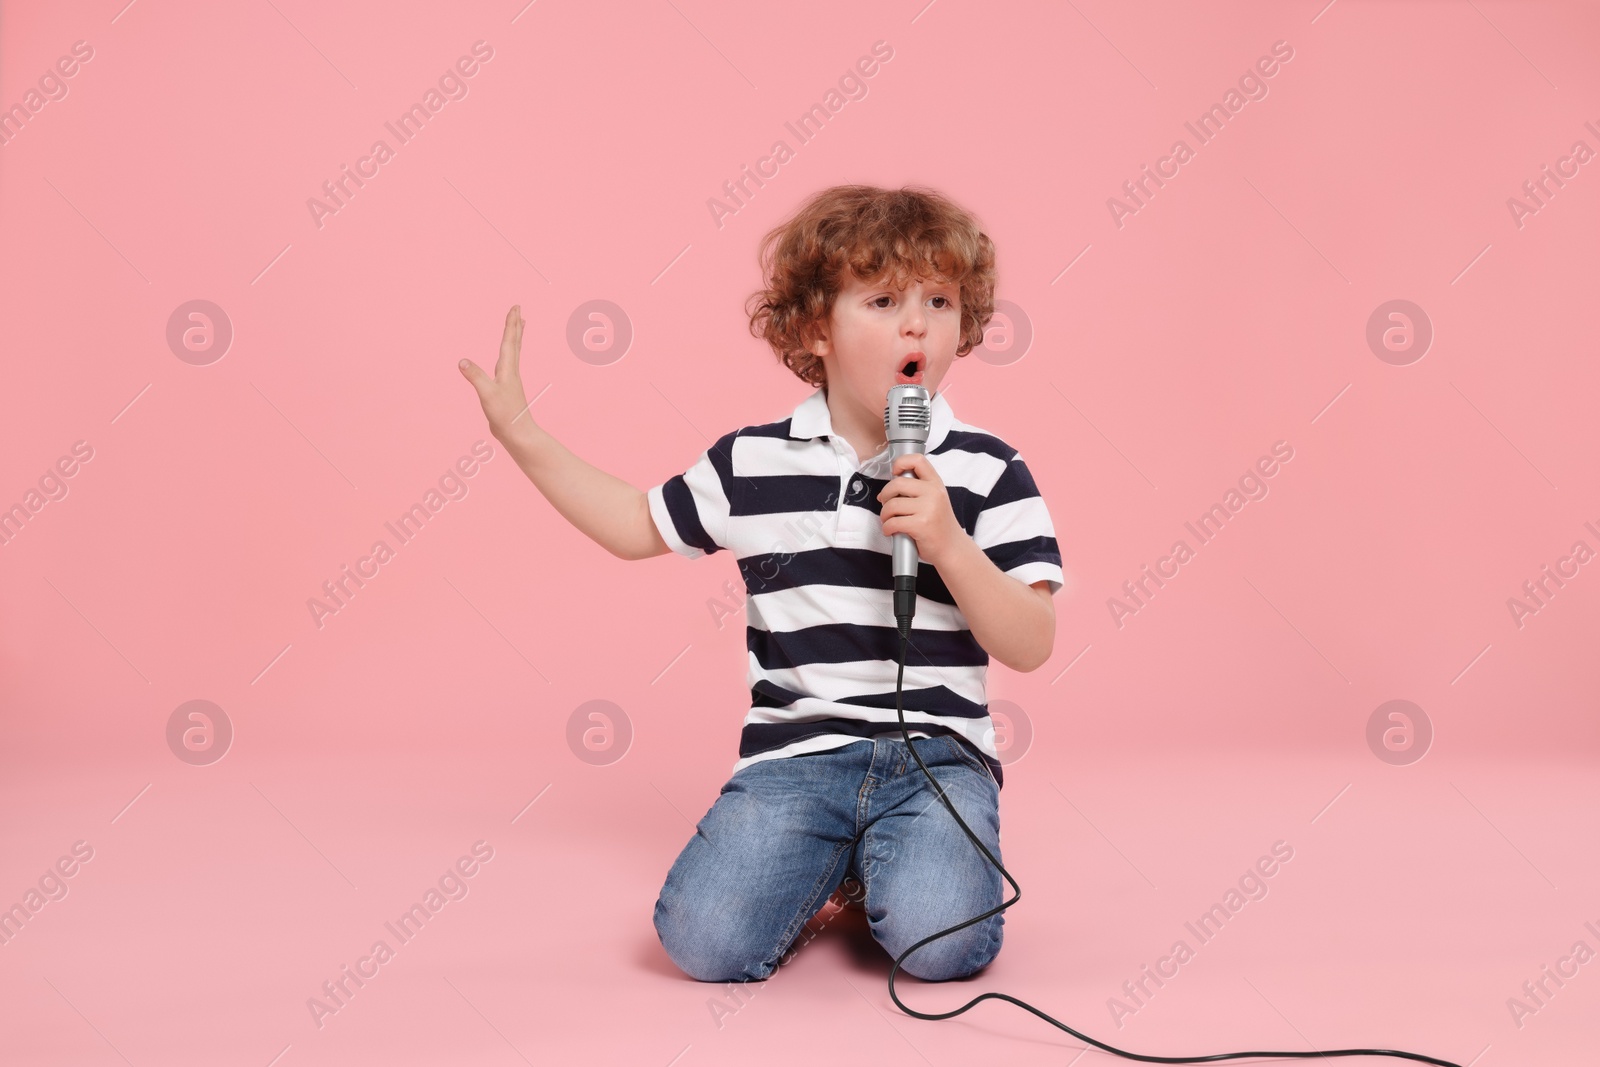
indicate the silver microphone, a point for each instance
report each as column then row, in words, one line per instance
column 907, row 418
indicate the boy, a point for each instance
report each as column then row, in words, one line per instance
column 865, row 288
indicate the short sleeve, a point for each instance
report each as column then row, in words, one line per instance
column 692, row 509
column 1015, row 531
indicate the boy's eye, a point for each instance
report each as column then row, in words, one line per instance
column 936, row 296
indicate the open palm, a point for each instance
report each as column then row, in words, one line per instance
column 503, row 398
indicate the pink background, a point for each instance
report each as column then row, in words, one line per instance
column 1168, row 753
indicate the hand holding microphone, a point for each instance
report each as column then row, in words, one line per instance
column 916, row 510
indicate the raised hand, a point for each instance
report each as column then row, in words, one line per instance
column 505, row 402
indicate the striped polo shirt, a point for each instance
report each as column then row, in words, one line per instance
column 800, row 514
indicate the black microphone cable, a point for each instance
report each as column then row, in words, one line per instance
column 904, row 608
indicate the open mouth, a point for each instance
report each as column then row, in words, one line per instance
column 910, row 372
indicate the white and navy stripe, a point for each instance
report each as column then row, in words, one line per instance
column 802, row 519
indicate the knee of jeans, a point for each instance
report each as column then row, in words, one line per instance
column 956, row 955
column 707, row 944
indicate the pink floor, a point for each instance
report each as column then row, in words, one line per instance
column 1415, row 904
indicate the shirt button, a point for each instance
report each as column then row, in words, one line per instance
column 855, row 487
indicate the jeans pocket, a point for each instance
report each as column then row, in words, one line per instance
column 970, row 758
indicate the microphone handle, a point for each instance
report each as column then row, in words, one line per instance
column 905, row 549
column 905, row 552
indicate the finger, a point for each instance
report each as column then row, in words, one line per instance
column 510, row 344
column 505, row 339
column 472, row 372
column 902, row 487
column 925, row 473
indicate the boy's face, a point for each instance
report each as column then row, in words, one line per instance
column 874, row 329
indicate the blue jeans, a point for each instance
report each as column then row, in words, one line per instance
column 785, row 832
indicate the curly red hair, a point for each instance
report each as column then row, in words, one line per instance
column 877, row 234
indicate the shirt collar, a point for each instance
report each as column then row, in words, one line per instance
column 812, row 419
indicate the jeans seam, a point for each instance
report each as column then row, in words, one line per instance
column 807, row 909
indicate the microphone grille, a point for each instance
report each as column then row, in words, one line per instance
column 912, row 412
